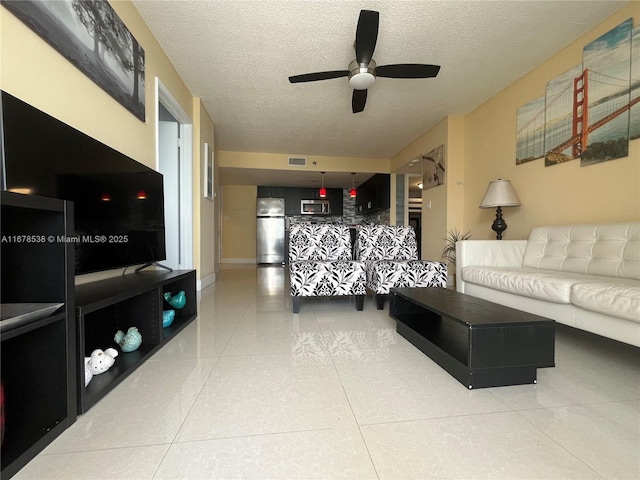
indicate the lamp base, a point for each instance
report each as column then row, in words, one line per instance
column 499, row 225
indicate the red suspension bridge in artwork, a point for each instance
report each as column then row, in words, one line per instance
column 613, row 98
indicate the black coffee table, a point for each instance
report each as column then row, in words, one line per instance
column 480, row 343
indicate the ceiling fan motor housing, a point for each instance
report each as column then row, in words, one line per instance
column 362, row 75
column 363, row 70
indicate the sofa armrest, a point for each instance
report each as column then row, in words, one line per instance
column 494, row 253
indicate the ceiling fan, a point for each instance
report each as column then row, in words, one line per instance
column 363, row 70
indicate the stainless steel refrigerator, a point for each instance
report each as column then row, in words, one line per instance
column 270, row 230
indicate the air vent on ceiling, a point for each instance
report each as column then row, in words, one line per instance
column 297, row 161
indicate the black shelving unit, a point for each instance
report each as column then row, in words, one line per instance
column 38, row 367
column 134, row 300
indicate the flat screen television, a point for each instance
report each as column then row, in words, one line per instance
column 118, row 202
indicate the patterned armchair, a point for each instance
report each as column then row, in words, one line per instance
column 390, row 255
column 320, row 263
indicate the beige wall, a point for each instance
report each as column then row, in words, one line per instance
column 239, row 224
column 205, row 230
column 564, row 193
column 278, row 161
column 436, row 220
column 34, row 72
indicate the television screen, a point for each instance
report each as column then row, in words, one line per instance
column 118, row 202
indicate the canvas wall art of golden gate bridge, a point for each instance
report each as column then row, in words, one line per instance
column 591, row 111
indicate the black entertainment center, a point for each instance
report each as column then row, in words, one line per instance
column 82, row 207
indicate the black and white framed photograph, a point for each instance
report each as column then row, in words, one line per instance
column 208, row 172
column 434, row 168
column 92, row 36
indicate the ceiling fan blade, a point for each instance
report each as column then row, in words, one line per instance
column 313, row 77
column 358, row 101
column 366, row 35
column 407, row 70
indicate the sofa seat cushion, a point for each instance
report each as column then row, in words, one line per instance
column 382, row 275
column 618, row 297
column 550, row 285
column 310, row 278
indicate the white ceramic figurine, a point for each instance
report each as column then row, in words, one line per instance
column 99, row 362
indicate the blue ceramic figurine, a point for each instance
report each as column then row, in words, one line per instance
column 129, row 342
column 167, row 317
column 178, row 301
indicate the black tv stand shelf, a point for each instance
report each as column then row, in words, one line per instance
column 37, row 365
column 134, row 300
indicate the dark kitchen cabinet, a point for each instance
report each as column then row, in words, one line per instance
column 336, row 201
column 374, row 194
column 267, row 192
column 334, row 195
column 293, row 195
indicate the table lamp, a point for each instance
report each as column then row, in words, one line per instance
column 500, row 193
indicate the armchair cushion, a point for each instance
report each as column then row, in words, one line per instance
column 321, row 241
column 311, row 278
column 382, row 275
column 386, row 242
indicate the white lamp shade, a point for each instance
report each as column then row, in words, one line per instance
column 500, row 193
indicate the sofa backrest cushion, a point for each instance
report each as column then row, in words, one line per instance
column 610, row 249
column 386, row 242
column 319, row 241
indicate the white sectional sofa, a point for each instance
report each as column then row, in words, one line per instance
column 585, row 276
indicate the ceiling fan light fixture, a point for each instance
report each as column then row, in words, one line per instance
column 361, row 75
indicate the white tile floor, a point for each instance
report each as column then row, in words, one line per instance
column 250, row 390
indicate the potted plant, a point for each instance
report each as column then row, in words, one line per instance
column 449, row 252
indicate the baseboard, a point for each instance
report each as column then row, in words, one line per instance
column 239, row 260
column 206, row 281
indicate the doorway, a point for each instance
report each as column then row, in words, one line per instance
column 414, row 207
column 415, row 222
column 173, row 158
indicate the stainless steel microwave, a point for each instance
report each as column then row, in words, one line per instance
column 315, row 207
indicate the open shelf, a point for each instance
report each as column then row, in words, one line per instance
column 183, row 315
column 134, row 300
column 450, row 337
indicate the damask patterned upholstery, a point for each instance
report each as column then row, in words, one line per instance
column 390, row 256
column 320, row 263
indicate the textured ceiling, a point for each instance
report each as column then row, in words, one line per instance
column 236, row 55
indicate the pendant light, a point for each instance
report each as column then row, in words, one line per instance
column 353, row 192
column 323, row 191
